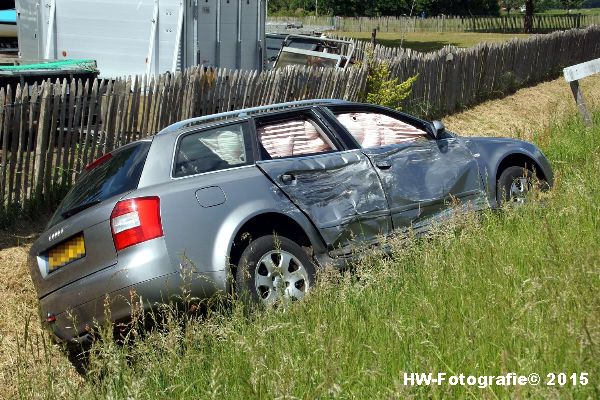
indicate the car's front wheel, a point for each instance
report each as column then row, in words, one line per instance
column 273, row 268
column 514, row 185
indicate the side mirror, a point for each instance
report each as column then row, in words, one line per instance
column 438, row 129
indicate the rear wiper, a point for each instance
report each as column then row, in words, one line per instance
column 72, row 211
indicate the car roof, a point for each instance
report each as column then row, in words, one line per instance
column 254, row 111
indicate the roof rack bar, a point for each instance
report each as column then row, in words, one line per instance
column 245, row 112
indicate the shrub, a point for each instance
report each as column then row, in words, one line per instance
column 384, row 90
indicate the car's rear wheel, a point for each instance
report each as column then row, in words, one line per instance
column 272, row 268
column 514, row 185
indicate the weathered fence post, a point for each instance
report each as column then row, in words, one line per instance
column 572, row 75
column 42, row 139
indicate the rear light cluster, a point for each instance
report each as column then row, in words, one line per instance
column 134, row 221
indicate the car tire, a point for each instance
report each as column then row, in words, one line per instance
column 272, row 268
column 514, row 184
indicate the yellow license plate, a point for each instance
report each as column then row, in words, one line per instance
column 66, row 252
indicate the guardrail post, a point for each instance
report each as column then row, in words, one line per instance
column 572, row 75
column 580, row 100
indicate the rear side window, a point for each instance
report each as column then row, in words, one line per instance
column 293, row 137
column 211, row 150
column 112, row 174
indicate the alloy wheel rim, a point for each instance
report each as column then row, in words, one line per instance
column 519, row 189
column 279, row 274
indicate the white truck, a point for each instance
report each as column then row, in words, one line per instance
column 133, row 37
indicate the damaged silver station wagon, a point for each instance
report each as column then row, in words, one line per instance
column 266, row 195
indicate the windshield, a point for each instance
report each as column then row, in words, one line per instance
column 313, row 59
column 115, row 173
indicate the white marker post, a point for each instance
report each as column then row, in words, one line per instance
column 572, row 75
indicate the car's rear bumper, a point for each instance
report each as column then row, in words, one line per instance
column 143, row 277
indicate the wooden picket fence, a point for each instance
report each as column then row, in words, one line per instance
column 504, row 24
column 49, row 132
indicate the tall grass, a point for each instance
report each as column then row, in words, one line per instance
column 498, row 292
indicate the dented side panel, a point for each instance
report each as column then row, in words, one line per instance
column 340, row 192
column 422, row 179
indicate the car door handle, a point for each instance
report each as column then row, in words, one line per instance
column 287, row 178
column 383, row 165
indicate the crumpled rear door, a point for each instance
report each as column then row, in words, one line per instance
column 340, row 192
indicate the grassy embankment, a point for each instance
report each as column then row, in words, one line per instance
column 515, row 291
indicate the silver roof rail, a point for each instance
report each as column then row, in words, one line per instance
column 245, row 112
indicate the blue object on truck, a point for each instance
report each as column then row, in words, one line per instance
column 8, row 23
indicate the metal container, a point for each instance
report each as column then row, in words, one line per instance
column 128, row 37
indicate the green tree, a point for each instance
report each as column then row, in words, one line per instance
column 465, row 7
column 528, row 22
column 354, row 8
column 543, row 5
column 511, row 5
column 571, row 4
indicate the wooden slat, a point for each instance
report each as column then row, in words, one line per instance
column 93, row 113
column 134, row 112
column 83, row 96
column 155, row 109
column 63, row 105
column 19, row 137
column 13, row 128
column 52, row 160
column 32, row 123
column 108, row 122
column 148, row 85
column 42, row 138
column 4, row 112
column 76, row 132
column 121, row 131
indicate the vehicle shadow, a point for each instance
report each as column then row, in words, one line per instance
column 22, row 232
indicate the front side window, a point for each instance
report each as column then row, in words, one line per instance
column 375, row 129
column 293, row 137
column 211, row 150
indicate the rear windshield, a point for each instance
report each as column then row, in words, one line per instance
column 118, row 173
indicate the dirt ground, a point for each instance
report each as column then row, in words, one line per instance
column 518, row 115
column 18, row 306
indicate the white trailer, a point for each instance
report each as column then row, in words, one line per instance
column 132, row 37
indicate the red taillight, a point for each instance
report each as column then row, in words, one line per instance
column 99, row 161
column 135, row 221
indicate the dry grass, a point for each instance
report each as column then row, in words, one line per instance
column 526, row 111
column 19, row 305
